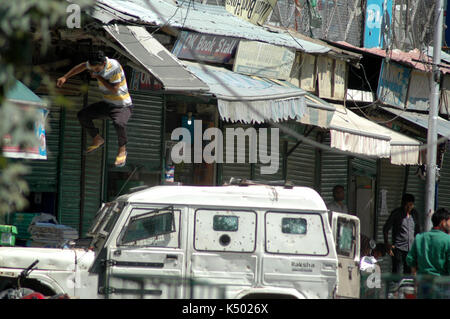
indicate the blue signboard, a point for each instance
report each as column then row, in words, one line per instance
column 377, row 21
column 393, row 84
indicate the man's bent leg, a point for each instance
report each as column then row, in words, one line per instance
column 93, row 111
column 120, row 117
column 98, row 110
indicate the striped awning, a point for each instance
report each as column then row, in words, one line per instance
column 357, row 134
column 250, row 99
column 318, row 112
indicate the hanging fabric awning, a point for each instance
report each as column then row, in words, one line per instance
column 353, row 133
column 250, row 99
column 404, row 150
column 27, row 100
column 318, row 112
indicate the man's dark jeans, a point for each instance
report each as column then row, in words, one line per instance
column 399, row 265
column 103, row 110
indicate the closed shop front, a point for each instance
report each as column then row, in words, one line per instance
column 269, row 166
column 391, row 183
column 144, row 147
column 361, row 193
column 301, row 163
column 416, row 187
column 236, row 170
column 444, row 182
column 70, row 168
column 334, row 171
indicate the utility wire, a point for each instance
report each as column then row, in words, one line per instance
column 283, row 128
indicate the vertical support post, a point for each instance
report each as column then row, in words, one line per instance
column 432, row 117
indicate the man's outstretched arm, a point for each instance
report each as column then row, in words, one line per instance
column 74, row 71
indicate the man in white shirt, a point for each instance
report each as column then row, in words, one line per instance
column 338, row 204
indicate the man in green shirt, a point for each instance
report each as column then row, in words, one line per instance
column 430, row 252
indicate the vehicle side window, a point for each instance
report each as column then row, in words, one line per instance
column 293, row 226
column 346, row 237
column 295, row 233
column 225, row 230
column 157, row 228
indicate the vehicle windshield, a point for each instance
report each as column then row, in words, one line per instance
column 103, row 223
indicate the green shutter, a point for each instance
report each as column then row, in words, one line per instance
column 70, row 175
column 416, row 187
column 144, row 133
column 301, row 164
column 92, row 164
column 444, row 183
column 274, row 155
column 236, row 170
column 391, row 179
column 334, row 171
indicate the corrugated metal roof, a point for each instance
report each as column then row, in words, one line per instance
column 339, row 52
column 414, row 58
column 443, row 126
column 155, row 58
column 208, row 19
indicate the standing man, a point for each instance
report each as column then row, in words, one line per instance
column 430, row 252
column 337, row 205
column 430, row 256
column 405, row 225
column 116, row 103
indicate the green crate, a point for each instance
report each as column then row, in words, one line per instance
column 8, row 235
column 22, row 221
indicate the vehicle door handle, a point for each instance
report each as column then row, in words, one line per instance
column 171, row 257
column 350, row 270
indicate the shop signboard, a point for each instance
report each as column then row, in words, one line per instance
column 204, row 47
column 393, row 84
column 264, row 60
column 144, row 81
column 36, row 151
column 419, row 91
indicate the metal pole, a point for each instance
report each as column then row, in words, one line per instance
column 432, row 118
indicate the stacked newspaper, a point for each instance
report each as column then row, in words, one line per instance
column 51, row 235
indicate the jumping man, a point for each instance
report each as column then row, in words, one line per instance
column 116, row 103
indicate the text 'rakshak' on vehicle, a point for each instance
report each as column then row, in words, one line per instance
column 212, row 152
